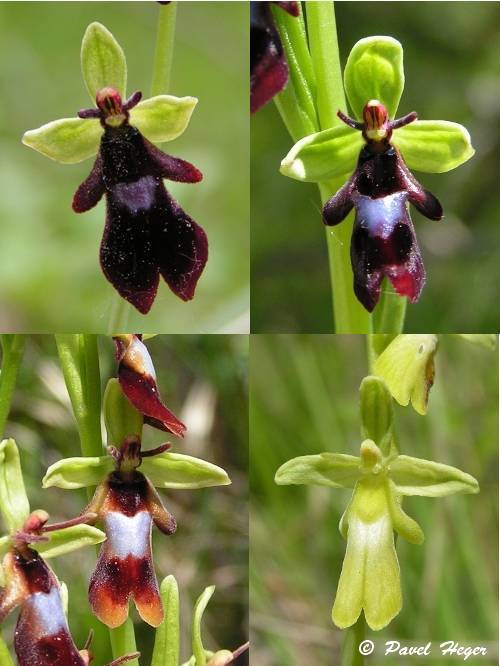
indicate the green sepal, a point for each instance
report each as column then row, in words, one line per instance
column 407, row 367
column 377, row 412
column 5, row 658
column 486, row 340
column 68, row 140
column 370, row 579
column 176, row 470
column 414, row 476
column 71, row 473
column 122, row 419
column 103, row 61
column 196, row 640
column 14, row 504
column 164, row 117
column 337, row 470
column 5, row 543
column 374, row 70
column 433, row 146
column 167, row 637
column 68, row 539
column 64, row 594
column 324, row 155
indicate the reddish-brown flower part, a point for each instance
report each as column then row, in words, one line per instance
column 42, row 636
column 268, row 66
column 383, row 242
column 147, row 233
column 128, row 505
column 137, row 378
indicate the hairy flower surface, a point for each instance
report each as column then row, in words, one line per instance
column 383, row 241
column 268, row 66
column 128, row 505
column 147, row 233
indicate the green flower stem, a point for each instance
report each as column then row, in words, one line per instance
column 80, row 364
column 164, row 49
column 389, row 315
column 120, row 310
column 12, row 353
column 123, row 641
column 353, row 637
column 350, row 316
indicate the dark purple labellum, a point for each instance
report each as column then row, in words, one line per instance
column 137, row 378
column 383, row 242
column 268, row 66
column 42, row 635
column 128, row 505
column 147, row 233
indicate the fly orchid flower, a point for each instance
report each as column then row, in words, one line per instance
column 379, row 478
column 42, row 636
column 127, row 503
column 268, row 66
column 383, row 243
column 147, row 234
column 137, row 378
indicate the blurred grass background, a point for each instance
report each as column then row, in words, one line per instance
column 203, row 379
column 304, row 400
column 452, row 68
column 49, row 254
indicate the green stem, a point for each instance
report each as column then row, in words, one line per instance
column 353, row 636
column 123, row 641
column 350, row 316
column 389, row 315
column 12, row 353
column 80, row 364
column 118, row 320
column 164, row 49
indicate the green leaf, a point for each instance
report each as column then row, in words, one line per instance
column 122, row 419
column 407, row 367
column 176, row 470
column 433, row 146
column 68, row 539
column 199, row 609
column 377, row 412
column 14, row 503
column 71, row 473
column 323, row 155
column 374, row 70
column 103, row 61
column 166, row 648
column 414, row 476
column 336, row 470
column 164, row 117
column 68, row 140
column 488, row 340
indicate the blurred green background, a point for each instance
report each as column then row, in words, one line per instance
column 203, row 380
column 304, row 400
column 452, row 68
column 49, row 255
